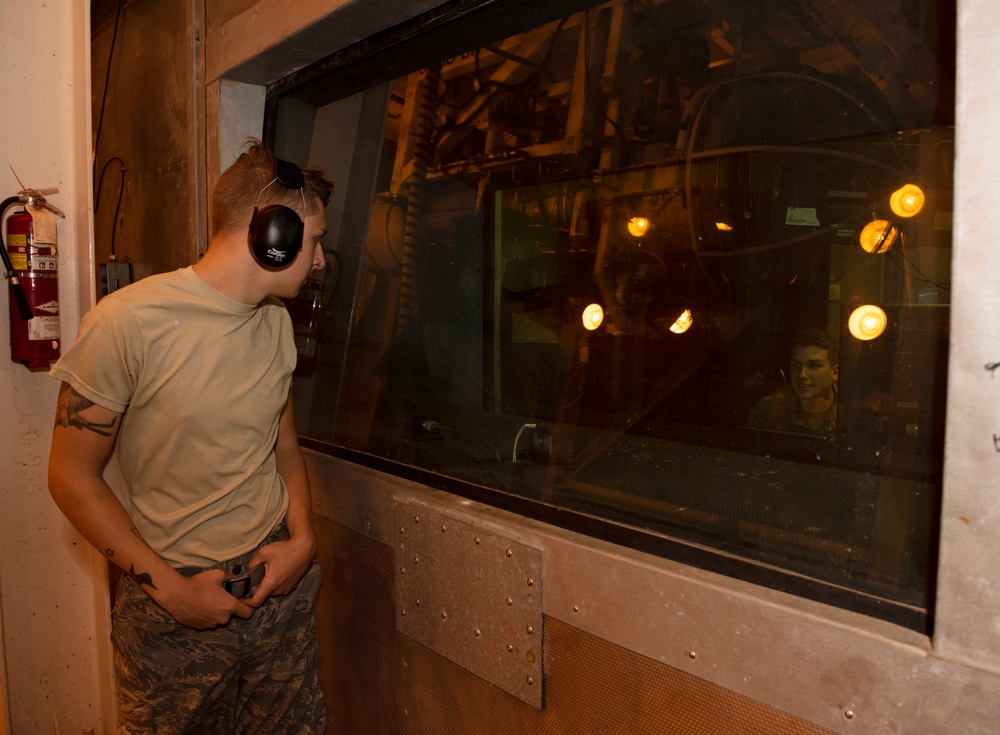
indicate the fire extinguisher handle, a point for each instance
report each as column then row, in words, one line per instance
column 23, row 307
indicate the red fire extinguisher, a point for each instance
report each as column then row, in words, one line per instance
column 31, row 269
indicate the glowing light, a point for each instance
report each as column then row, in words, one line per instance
column 723, row 227
column 593, row 317
column 867, row 322
column 682, row 323
column 638, row 226
column 878, row 236
column 907, row 200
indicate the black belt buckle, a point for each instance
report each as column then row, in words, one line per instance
column 242, row 587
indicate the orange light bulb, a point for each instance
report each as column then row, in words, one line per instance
column 878, row 236
column 907, row 200
column 638, row 226
column 867, row 322
column 593, row 317
column 682, row 323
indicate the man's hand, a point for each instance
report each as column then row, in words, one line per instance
column 286, row 562
column 201, row 601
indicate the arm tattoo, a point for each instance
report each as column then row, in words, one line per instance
column 68, row 413
column 143, row 578
column 139, row 577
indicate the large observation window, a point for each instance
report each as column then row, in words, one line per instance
column 671, row 272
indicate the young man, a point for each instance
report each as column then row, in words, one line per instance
column 179, row 385
column 811, row 404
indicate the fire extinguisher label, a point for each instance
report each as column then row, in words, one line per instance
column 43, row 328
column 50, row 306
column 19, row 261
column 43, row 225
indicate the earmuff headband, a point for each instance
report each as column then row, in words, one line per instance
column 275, row 232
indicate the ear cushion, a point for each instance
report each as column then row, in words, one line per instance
column 275, row 236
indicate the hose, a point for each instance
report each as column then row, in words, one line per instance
column 23, row 307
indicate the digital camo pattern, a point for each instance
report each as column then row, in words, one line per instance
column 258, row 676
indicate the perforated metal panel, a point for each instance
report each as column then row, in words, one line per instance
column 378, row 680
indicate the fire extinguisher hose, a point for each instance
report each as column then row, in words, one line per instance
column 23, row 307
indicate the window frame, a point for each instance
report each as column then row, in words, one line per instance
column 354, row 65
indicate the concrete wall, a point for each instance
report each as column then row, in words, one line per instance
column 968, row 613
column 53, row 607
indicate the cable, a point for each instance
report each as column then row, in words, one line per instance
column 915, row 271
column 104, row 97
column 121, row 192
column 517, row 438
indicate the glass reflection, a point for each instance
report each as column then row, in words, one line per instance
column 701, row 175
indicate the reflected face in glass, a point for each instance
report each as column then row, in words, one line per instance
column 811, row 372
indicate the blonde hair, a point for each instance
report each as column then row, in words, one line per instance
column 250, row 177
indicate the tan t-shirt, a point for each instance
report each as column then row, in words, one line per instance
column 201, row 380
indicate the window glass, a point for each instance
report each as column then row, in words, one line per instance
column 679, row 268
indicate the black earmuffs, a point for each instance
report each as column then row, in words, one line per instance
column 275, row 233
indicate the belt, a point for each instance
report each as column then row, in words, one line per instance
column 241, row 580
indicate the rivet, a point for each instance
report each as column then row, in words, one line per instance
column 416, row 560
column 530, row 630
column 417, row 602
column 576, row 608
column 849, row 714
column 531, row 582
column 510, row 601
column 510, row 553
column 403, row 613
column 367, row 525
column 510, row 647
column 443, row 528
column 477, row 541
column 444, row 615
column 402, row 570
column 402, row 530
column 416, row 519
column 692, row 655
column 530, row 681
column 477, row 632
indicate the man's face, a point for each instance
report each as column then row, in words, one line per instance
column 308, row 259
column 812, row 374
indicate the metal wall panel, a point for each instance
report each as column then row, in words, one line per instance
column 379, row 680
column 666, row 622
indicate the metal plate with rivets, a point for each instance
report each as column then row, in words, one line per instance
column 471, row 596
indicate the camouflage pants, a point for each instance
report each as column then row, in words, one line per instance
column 251, row 677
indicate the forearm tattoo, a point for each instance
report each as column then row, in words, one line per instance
column 140, row 577
column 68, row 412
